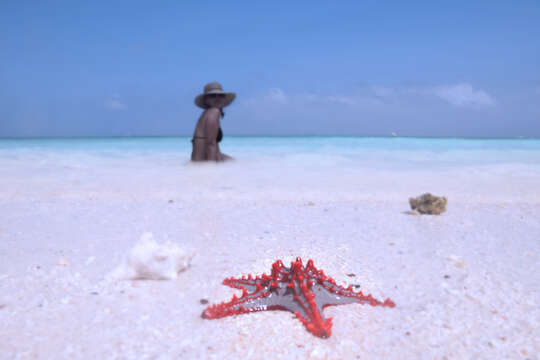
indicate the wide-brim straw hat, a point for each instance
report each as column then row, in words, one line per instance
column 214, row 88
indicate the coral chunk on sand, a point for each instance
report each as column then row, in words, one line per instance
column 428, row 204
column 150, row 260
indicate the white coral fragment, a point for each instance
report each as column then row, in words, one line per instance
column 150, row 260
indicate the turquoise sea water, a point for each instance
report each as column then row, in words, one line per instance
column 330, row 153
column 397, row 149
column 291, row 142
column 284, row 168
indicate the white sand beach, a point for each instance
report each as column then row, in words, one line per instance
column 465, row 283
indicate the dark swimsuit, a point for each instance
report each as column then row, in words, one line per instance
column 218, row 138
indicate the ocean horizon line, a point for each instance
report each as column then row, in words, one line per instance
column 274, row 136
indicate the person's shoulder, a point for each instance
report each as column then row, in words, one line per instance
column 212, row 117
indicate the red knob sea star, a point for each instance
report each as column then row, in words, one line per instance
column 305, row 291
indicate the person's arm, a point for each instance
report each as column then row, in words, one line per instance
column 211, row 131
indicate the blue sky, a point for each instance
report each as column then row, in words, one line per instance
column 416, row 68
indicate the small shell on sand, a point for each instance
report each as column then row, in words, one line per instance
column 63, row 261
column 458, row 261
column 150, row 260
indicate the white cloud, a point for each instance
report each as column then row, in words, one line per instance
column 349, row 100
column 345, row 100
column 463, row 95
column 114, row 103
column 383, row 92
column 276, row 95
column 339, row 99
column 272, row 97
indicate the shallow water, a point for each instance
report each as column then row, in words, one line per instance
column 360, row 148
column 274, row 168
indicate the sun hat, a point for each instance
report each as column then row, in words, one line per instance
column 214, row 88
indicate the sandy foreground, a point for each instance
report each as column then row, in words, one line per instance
column 465, row 283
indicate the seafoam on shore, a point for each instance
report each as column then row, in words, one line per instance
column 464, row 283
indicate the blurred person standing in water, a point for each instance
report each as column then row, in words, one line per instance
column 208, row 132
